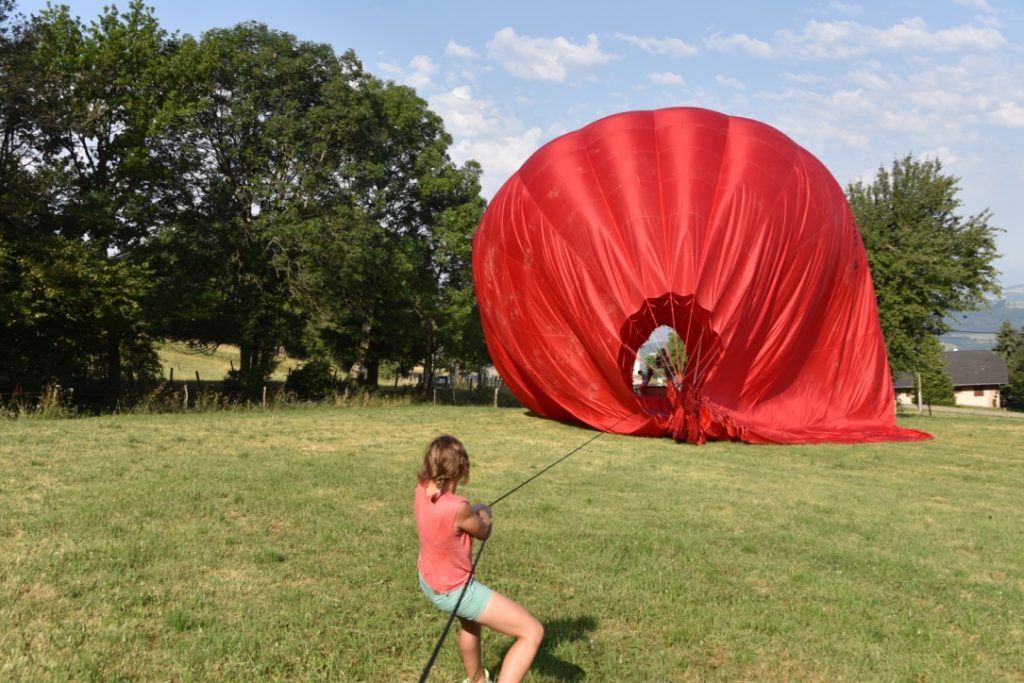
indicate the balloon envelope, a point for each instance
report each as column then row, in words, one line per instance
column 719, row 227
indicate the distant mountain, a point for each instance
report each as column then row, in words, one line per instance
column 1015, row 293
column 977, row 329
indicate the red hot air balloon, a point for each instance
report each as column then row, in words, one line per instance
column 719, row 227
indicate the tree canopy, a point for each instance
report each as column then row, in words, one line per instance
column 1010, row 347
column 926, row 259
column 241, row 187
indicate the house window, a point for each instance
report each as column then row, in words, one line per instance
column 979, row 392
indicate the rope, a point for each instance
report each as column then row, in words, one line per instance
column 451, row 617
column 472, row 569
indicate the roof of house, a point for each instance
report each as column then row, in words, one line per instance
column 967, row 369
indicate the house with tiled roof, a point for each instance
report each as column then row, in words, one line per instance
column 978, row 377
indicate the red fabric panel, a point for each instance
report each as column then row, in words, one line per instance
column 719, row 227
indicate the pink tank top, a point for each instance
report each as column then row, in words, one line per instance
column 445, row 560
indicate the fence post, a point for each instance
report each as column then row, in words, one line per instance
column 172, row 374
column 264, row 395
column 185, row 405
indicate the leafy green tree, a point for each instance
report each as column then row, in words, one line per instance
column 241, row 120
column 1010, row 347
column 80, row 191
column 926, row 259
column 380, row 259
column 675, row 349
column 74, row 302
column 936, row 384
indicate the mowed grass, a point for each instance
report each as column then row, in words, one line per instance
column 281, row 546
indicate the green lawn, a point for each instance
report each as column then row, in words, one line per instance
column 280, row 545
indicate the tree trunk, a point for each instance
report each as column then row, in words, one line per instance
column 362, row 352
column 372, row 372
column 114, row 361
column 428, row 361
column 245, row 361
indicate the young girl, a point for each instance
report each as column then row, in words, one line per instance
column 447, row 525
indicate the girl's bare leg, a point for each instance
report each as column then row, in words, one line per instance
column 509, row 617
column 469, row 647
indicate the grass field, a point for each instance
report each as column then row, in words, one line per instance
column 280, row 545
column 212, row 366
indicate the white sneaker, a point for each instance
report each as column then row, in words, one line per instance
column 487, row 678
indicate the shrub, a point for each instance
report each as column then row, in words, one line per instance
column 313, row 381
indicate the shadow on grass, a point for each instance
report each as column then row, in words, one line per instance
column 555, row 633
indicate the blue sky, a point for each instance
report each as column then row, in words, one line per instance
column 855, row 83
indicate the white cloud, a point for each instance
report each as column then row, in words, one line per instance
column 453, row 49
column 423, row 69
column 881, row 110
column 666, row 78
column 870, row 80
column 500, row 156
column 806, row 78
column 843, row 8
column 418, row 74
column 740, row 42
column 482, row 131
column 981, row 5
column 670, row 47
column 943, row 154
column 730, row 82
column 1009, row 114
column 851, row 40
column 466, row 116
column 544, row 59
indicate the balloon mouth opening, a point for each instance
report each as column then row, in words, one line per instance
column 667, row 347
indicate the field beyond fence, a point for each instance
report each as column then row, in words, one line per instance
column 280, row 545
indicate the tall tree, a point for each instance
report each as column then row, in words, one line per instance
column 1010, row 347
column 382, row 261
column 242, row 124
column 84, row 155
column 926, row 259
column 936, row 384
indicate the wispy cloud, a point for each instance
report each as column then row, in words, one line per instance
column 928, row 105
column 666, row 78
column 730, row 82
column 453, row 49
column 544, row 59
column 485, row 132
column 739, row 42
column 669, row 47
column 418, row 73
column 853, row 40
column 1009, row 114
column 980, row 5
column 844, row 8
column 847, row 39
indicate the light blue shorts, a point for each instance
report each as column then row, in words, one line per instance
column 473, row 602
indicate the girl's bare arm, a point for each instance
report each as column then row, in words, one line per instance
column 475, row 520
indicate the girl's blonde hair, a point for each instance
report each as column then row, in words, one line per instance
column 445, row 460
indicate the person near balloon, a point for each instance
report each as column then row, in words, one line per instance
column 646, row 375
column 446, row 524
column 664, row 363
